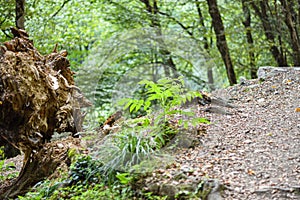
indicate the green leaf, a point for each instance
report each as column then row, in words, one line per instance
column 180, row 121
column 198, row 94
column 127, row 105
column 200, row 120
column 124, row 178
column 139, row 105
column 189, row 96
column 123, row 101
column 186, row 124
column 132, row 107
column 154, row 97
column 147, row 105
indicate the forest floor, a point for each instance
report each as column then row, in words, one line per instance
column 255, row 151
column 252, row 148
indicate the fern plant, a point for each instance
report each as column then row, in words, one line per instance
column 165, row 97
column 139, row 139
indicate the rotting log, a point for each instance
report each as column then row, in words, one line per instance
column 38, row 97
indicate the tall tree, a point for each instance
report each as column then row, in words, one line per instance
column 247, row 25
column 210, row 76
column 221, row 39
column 290, row 21
column 261, row 11
column 20, row 14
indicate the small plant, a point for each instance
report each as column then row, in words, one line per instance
column 124, row 178
column 139, row 138
column 6, row 167
column 84, row 170
column 166, row 93
column 1, row 158
column 166, row 96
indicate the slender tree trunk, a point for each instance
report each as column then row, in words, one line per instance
column 20, row 14
column 210, row 76
column 298, row 11
column 153, row 11
column 247, row 25
column 221, row 39
column 291, row 24
column 261, row 12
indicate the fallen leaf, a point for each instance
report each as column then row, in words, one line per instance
column 251, row 172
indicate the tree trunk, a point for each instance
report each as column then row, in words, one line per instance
column 37, row 97
column 261, row 12
column 291, row 24
column 221, row 39
column 20, row 14
column 247, row 25
column 168, row 62
column 210, row 76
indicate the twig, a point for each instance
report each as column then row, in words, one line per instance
column 61, row 7
column 6, row 34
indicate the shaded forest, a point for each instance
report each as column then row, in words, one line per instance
column 123, row 54
column 211, row 43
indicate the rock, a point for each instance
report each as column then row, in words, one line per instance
column 154, row 188
column 180, row 175
column 215, row 190
column 183, row 140
column 268, row 71
column 169, row 190
column 217, row 110
column 60, row 145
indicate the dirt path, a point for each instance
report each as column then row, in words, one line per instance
column 255, row 151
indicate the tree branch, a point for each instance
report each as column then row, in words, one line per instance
column 8, row 36
column 61, row 7
column 178, row 22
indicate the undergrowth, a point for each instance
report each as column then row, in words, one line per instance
column 9, row 167
column 120, row 162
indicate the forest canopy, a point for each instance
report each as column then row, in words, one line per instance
column 211, row 43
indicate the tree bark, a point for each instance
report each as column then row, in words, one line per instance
column 37, row 98
column 9, row 150
column 41, row 164
column 20, row 14
column 210, row 76
column 247, row 25
column 261, row 12
column 221, row 39
column 291, row 24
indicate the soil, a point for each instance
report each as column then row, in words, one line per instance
column 255, row 151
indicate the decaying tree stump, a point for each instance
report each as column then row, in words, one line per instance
column 37, row 98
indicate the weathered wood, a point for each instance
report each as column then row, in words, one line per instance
column 42, row 164
column 37, row 98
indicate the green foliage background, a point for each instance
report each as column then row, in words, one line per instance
column 84, row 28
column 115, row 44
